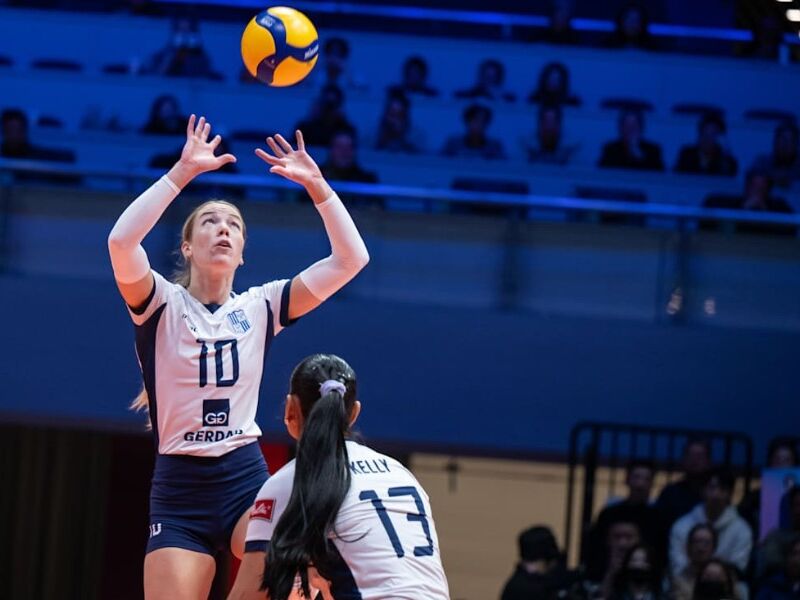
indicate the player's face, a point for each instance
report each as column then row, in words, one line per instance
column 217, row 239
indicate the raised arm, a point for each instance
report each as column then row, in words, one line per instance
column 348, row 253
column 128, row 258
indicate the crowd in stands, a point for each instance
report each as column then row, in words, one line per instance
column 689, row 543
column 328, row 125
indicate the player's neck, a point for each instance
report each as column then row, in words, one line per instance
column 211, row 288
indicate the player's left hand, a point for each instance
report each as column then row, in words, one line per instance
column 295, row 165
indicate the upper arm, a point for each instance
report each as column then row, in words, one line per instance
column 301, row 300
column 248, row 579
column 136, row 294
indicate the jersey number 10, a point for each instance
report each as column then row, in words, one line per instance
column 219, row 348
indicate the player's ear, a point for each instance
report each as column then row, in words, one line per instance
column 293, row 416
column 354, row 412
column 186, row 249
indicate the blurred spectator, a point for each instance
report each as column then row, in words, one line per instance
column 767, row 37
column 335, row 56
column 165, row 117
column 757, row 197
column 17, row 145
column 770, row 555
column 415, row 78
column 560, row 30
column 490, row 83
column 679, row 497
column 639, row 578
column 634, row 508
column 715, row 581
column 475, row 142
column 394, row 129
column 630, row 151
column 540, row 573
column 709, row 155
column 632, row 28
column 326, row 118
column 701, row 544
column 545, row 146
column 622, row 537
column 342, row 164
column 783, row 164
column 553, row 86
column 734, row 538
column 781, row 453
column 784, row 585
column 184, row 54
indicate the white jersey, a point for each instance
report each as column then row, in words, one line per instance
column 385, row 532
column 202, row 370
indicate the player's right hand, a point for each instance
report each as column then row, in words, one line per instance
column 198, row 153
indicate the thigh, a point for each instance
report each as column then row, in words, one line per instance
column 178, row 574
column 239, row 533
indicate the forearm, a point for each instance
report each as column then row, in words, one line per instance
column 348, row 252
column 124, row 242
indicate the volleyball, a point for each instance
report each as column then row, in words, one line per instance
column 280, row 46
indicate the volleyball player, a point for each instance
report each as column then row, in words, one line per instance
column 202, row 347
column 341, row 518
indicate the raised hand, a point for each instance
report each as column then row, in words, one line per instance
column 295, row 165
column 198, row 152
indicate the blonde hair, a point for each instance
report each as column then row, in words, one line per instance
column 183, row 277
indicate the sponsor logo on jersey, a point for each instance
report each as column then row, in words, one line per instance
column 216, row 412
column 155, row 529
column 238, row 321
column 263, row 509
column 204, row 435
column 192, row 326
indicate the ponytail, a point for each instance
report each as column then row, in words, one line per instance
column 321, row 479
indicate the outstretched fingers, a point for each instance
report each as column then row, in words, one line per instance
column 190, row 126
column 301, row 144
column 201, row 123
column 275, row 148
column 267, row 157
column 285, row 146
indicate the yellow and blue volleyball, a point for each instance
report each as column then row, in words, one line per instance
column 280, row 46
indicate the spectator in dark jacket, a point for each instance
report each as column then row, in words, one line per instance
column 475, row 142
column 709, row 155
column 631, row 150
column 785, row 585
column 490, row 83
column 553, row 87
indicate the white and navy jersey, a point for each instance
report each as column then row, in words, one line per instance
column 202, row 369
column 385, row 534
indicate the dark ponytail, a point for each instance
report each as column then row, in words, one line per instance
column 321, row 477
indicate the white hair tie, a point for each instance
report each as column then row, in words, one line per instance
column 332, row 385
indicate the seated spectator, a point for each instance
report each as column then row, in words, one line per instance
column 475, row 142
column 489, row 85
column 784, row 585
column 708, row 156
column 336, row 71
column 783, row 164
column 781, row 453
column 17, row 145
column 622, row 537
column 771, row 553
column 540, row 573
column 757, row 197
column 553, row 87
column 165, row 117
column 640, row 577
column 630, row 151
column 184, row 54
column 545, row 146
column 415, row 78
column 394, row 129
column 679, row 497
column 327, row 117
column 560, row 30
column 734, row 538
column 701, row 544
column 342, row 164
column 632, row 29
column 634, row 508
column 717, row 581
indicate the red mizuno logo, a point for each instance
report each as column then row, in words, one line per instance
column 263, row 509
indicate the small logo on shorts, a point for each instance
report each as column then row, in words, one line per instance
column 155, row 529
column 238, row 321
column 216, row 412
column 263, row 509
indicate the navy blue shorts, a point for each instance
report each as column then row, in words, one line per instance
column 196, row 501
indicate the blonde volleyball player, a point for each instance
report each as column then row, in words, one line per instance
column 202, row 348
column 352, row 523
